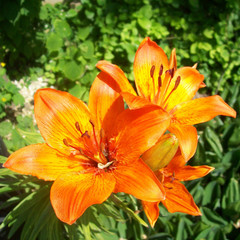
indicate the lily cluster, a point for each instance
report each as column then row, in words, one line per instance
column 93, row 151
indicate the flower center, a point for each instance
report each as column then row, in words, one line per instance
column 95, row 148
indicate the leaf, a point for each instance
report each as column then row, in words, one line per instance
column 87, row 49
column 144, row 23
column 72, row 70
column 54, row 42
column 129, row 211
column 83, row 32
column 62, row 28
column 214, row 141
column 211, row 218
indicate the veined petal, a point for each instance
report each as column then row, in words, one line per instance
column 190, row 80
column 138, row 180
column 104, row 103
column 149, row 54
column 72, row 193
column 56, row 113
column 138, row 130
column 178, row 199
column 152, row 211
column 202, row 110
column 187, row 137
column 177, row 162
column 161, row 153
column 135, row 102
column 43, row 162
column 187, row 173
column 117, row 75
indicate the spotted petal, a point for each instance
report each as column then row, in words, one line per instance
column 56, row 113
column 44, row 162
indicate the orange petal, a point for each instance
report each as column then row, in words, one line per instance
column 177, row 162
column 117, row 75
column 42, row 161
column 187, row 137
column 139, row 130
column 56, row 113
column 152, row 211
column 161, row 153
column 190, row 80
column 135, row 102
column 138, row 180
column 72, row 193
column 178, row 199
column 173, row 60
column 202, row 110
column 187, row 173
column 148, row 54
column 104, row 103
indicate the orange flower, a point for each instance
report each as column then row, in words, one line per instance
column 91, row 151
column 159, row 82
column 178, row 199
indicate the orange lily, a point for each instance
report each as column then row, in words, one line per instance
column 178, row 199
column 159, row 82
column 91, row 151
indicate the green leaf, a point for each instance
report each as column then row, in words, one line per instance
column 87, row 49
column 212, row 218
column 62, row 28
column 84, row 32
column 54, row 42
column 72, row 70
column 145, row 23
column 71, row 13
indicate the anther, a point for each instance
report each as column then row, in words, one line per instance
column 159, row 81
column 65, row 142
column 177, row 83
column 152, row 71
column 160, row 70
column 172, row 73
column 78, row 127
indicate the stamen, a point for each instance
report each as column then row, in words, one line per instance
column 152, row 71
column 174, row 88
column 94, row 133
column 78, row 127
column 177, row 83
column 151, row 74
column 85, row 134
column 160, row 70
column 65, row 142
column 172, row 72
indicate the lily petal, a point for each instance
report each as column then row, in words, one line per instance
column 72, row 193
column 190, row 80
column 202, row 110
column 178, row 199
column 138, row 180
column 139, row 129
column 152, row 211
column 116, row 74
column 187, row 137
column 149, row 54
column 104, row 103
column 187, row 173
column 43, row 162
column 56, row 113
column 135, row 102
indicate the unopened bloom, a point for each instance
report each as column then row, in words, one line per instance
column 172, row 172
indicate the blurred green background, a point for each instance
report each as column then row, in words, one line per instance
column 57, row 45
